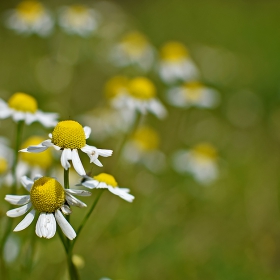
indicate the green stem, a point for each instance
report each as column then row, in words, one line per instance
column 86, row 217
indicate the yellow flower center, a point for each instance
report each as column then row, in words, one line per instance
column 69, row 135
column 141, row 88
column 47, row 195
column 23, row 102
column 3, row 165
column 146, row 139
column 205, row 150
column 45, row 158
column 106, row 178
column 116, row 86
column 174, row 51
column 193, row 91
column 30, row 11
column 134, row 43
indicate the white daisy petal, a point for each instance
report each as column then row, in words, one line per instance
column 18, row 116
column 38, row 148
column 78, row 192
column 87, row 131
column 37, row 176
column 47, row 119
column 5, row 111
column 104, row 153
column 122, row 194
column 65, row 209
column 49, row 225
column 19, row 211
column 65, row 156
column 27, row 183
column 17, row 199
column 64, row 225
column 97, row 162
column 91, row 184
column 77, row 163
column 26, row 221
column 38, row 225
column 74, row 201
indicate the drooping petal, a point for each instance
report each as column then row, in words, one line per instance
column 65, row 209
column 64, row 225
column 28, row 219
column 38, row 225
column 87, row 131
column 97, row 162
column 38, row 148
column 17, row 199
column 19, row 211
column 72, row 200
column 47, row 119
column 48, row 225
column 26, row 182
column 78, row 192
column 65, row 156
column 104, row 153
column 77, row 163
column 122, row 194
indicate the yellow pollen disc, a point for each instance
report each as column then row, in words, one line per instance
column 3, row 165
column 193, row 90
column 23, row 102
column 30, row 11
column 134, row 43
column 146, row 139
column 106, row 178
column 141, row 88
column 116, row 86
column 43, row 160
column 47, row 195
column 174, row 51
column 69, row 135
column 205, row 150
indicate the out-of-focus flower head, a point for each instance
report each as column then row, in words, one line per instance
column 78, row 19
column 193, row 94
column 137, row 94
column 6, row 156
column 175, row 63
column 143, row 147
column 50, row 199
column 24, row 107
column 201, row 161
column 69, row 137
column 107, row 181
column 30, row 17
column 133, row 49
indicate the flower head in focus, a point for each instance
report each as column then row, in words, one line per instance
column 107, row 181
column 78, row 19
column 133, row 49
column 137, row 94
column 200, row 161
column 24, row 107
column 50, row 199
column 193, row 94
column 30, row 17
column 175, row 63
column 69, row 136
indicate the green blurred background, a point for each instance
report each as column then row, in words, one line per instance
column 175, row 228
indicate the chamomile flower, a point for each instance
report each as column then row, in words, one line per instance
column 138, row 94
column 143, row 148
column 200, row 161
column 78, row 19
column 193, row 94
column 107, row 181
column 69, row 136
column 30, row 17
column 6, row 156
column 23, row 107
column 133, row 49
column 50, row 199
column 176, row 64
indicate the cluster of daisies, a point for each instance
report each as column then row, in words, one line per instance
column 46, row 195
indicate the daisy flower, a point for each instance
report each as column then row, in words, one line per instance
column 133, row 49
column 6, row 156
column 138, row 94
column 78, row 19
column 143, row 147
column 107, row 181
column 50, row 199
column 69, row 136
column 200, row 161
column 30, row 17
column 193, row 94
column 23, row 107
column 175, row 63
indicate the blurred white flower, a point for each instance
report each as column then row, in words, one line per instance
column 133, row 49
column 30, row 17
column 200, row 161
column 175, row 63
column 23, row 107
column 50, row 199
column 107, row 181
column 193, row 94
column 78, row 19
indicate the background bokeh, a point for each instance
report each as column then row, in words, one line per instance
column 175, row 228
